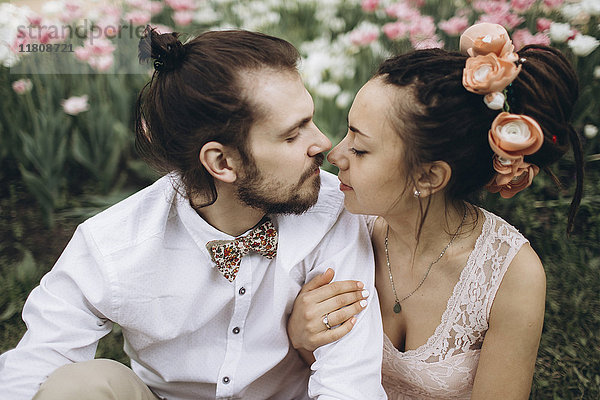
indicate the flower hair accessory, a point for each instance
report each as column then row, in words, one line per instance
column 491, row 68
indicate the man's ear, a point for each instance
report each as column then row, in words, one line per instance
column 433, row 178
column 219, row 161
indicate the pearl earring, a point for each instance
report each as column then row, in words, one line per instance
column 416, row 193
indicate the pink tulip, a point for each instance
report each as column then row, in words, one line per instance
column 511, row 21
column 108, row 25
column 369, row 5
column 508, row 20
column 100, row 47
column 102, row 63
column 82, row 53
column 491, row 6
column 422, row 28
column 34, row 20
column 75, row 104
column 181, row 5
column 138, row 17
column 454, row 26
column 110, row 10
column 543, row 24
column 72, row 12
column 395, row 30
column 156, row 7
column 402, row 12
column 22, row 86
column 364, row 35
column 522, row 37
column 551, row 4
column 521, row 6
column 430, row 43
column 183, row 18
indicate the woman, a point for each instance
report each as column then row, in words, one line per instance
column 461, row 291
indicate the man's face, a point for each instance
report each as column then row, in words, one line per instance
column 285, row 146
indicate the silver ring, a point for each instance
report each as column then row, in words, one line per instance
column 326, row 321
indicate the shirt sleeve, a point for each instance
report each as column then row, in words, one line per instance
column 350, row 368
column 64, row 321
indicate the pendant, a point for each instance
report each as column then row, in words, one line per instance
column 397, row 308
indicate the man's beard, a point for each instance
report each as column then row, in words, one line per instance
column 273, row 197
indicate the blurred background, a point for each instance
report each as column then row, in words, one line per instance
column 69, row 78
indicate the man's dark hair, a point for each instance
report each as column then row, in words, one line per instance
column 196, row 95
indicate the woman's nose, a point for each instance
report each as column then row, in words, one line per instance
column 336, row 156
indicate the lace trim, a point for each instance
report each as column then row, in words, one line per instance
column 464, row 321
column 450, row 305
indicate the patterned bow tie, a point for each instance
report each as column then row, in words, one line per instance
column 227, row 254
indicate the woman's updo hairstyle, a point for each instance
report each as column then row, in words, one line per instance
column 197, row 95
column 443, row 121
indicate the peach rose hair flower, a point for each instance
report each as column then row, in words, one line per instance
column 516, row 183
column 488, row 73
column 491, row 66
column 513, row 136
column 486, row 38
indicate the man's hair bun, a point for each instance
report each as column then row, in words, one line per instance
column 165, row 49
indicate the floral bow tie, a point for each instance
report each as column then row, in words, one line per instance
column 227, row 254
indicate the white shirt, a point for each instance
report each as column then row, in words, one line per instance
column 190, row 333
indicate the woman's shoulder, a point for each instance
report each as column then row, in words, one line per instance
column 521, row 296
column 503, row 230
column 525, row 276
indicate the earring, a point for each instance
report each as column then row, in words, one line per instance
column 416, row 193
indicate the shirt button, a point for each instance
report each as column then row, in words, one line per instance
column 236, row 330
column 226, row 380
column 242, row 291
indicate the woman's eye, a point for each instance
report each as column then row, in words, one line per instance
column 357, row 153
column 291, row 139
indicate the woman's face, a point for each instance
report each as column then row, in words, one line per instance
column 370, row 155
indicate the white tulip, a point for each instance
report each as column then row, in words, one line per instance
column 590, row 131
column 343, row 99
column 583, row 45
column 560, row 32
column 592, row 7
column 571, row 10
column 327, row 90
column 75, row 104
column 8, row 58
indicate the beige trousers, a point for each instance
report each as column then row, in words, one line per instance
column 99, row 379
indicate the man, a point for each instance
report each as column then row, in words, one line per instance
column 203, row 317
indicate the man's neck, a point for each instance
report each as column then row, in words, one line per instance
column 229, row 215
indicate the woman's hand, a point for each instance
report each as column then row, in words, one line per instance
column 339, row 301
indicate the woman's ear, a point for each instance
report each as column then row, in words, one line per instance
column 434, row 178
column 219, row 161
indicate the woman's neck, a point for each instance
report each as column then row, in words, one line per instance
column 442, row 222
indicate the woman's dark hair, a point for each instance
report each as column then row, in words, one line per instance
column 196, row 95
column 448, row 123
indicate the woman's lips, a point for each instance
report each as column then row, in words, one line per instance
column 344, row 187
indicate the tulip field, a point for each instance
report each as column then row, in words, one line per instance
column 69, row 77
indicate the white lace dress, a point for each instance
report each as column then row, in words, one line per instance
column 445, row 366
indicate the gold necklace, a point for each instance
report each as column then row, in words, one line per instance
column 397, row 306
